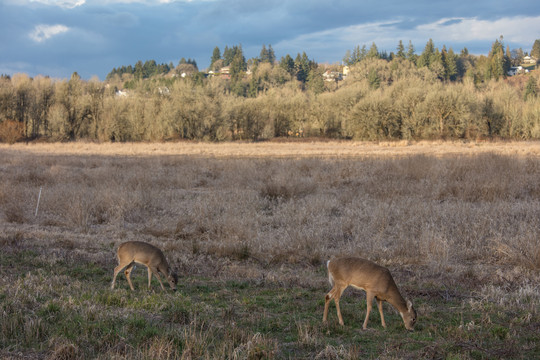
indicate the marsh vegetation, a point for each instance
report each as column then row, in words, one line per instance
column 250, row 231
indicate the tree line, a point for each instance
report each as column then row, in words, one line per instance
column 151, row 68
column 436, row 94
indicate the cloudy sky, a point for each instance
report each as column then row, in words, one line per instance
column 58, row 37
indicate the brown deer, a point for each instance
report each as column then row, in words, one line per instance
column 139, row 252
column 375, row 280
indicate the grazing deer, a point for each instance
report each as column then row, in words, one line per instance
column 375, row 280
column 139, row 252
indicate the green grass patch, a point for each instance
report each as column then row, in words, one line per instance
column 210, row 318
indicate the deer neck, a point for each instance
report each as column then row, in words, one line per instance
column 164, row 270
column 397, row 301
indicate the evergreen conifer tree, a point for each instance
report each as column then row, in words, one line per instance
column 347, row 59
column 357, row 54
column 373, row 52
column 287, row 64
column 138, row 72
column 238, row 65
column 271, row 55
column 451, row 65
column 536, row 49
column 427, row 55
column 400, row 50
column 315, row 81
column 263, row 55
column 302, row 67
column 374, row 79
column 531, row 89
column 498, row 62
column 228, row 55
column 216, row 55
column 410, row 52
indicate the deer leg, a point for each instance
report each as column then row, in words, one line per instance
column 339, row 312
column 337, row 295
column 327, row 300
column 127, row 272
column 369, row 300
column 116, row 272
column 156, row 273
column 380, row 306
column 149, row 277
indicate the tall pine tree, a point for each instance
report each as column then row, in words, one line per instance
column 216, row 55
column 287, row 64
column 373, row 52
column 535, row 52
column 411, row 56
column 302, row 67
column 238, row 64
column 498, row 62
column 427, row 55
column 271, row 55
column 450, row 65
column 400, row 50
column 263, row 55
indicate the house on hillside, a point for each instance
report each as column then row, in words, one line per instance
column 225, row 72
column 529, row 60
column 332, row 76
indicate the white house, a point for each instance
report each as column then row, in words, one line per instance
column 332, row 76
column 529, row 60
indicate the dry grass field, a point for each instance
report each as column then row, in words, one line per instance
column 250, row 227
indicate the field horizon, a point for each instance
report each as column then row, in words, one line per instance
column 293, row 147
column 249, row 226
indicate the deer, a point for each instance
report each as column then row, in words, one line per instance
column 375, row 280
column 137, row 252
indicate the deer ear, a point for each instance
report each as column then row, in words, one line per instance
column 409, row 305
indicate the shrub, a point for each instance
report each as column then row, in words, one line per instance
column 11, row 131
